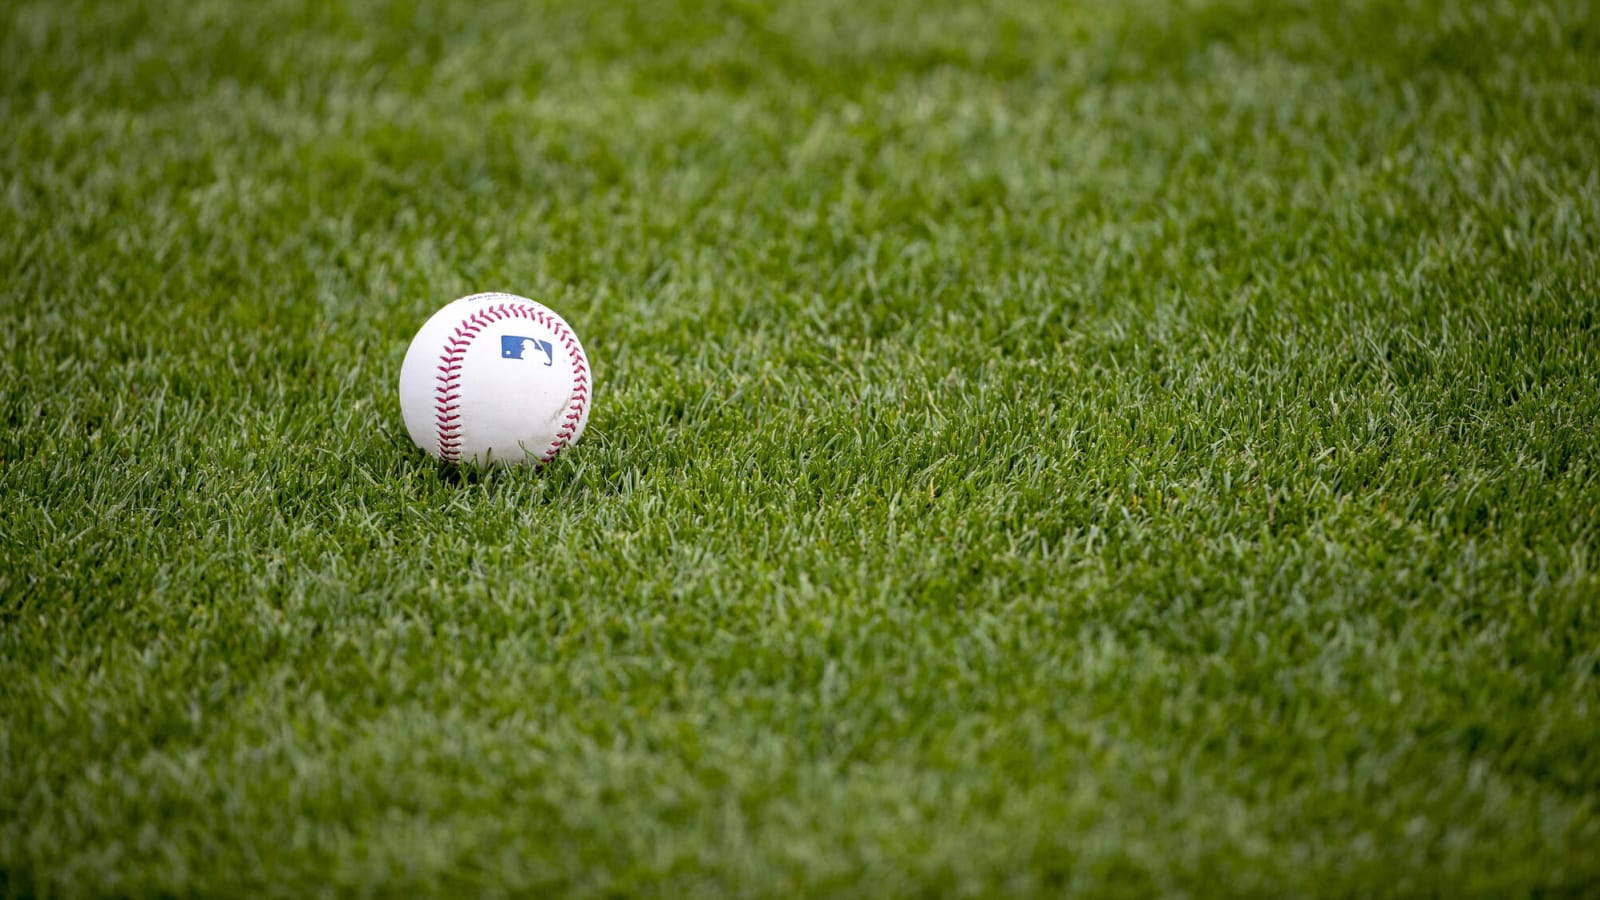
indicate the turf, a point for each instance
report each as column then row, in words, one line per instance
column 1120, row 450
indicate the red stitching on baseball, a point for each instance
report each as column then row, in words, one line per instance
column 447, row 395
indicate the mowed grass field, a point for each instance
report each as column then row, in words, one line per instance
column 1038, row 448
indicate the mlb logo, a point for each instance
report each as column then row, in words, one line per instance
column 515, row 347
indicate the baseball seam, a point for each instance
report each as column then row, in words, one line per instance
column 447, row 384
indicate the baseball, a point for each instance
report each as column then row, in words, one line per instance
column 495, row 378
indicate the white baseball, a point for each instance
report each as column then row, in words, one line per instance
column 495, row 378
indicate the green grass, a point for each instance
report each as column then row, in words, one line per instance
column 1122, row 449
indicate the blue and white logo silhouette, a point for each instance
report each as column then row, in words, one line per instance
column 514, row 347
